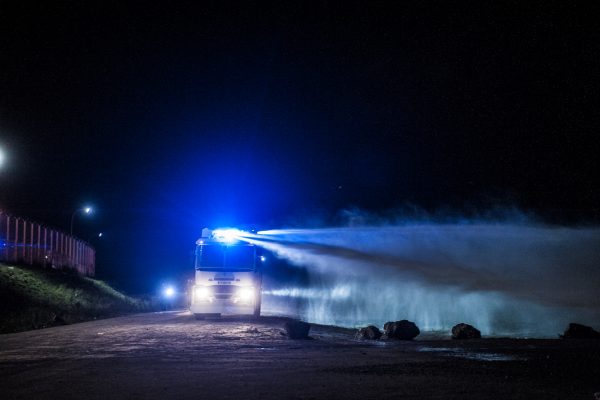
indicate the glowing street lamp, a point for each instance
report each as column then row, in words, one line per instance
column 2, row 157
column 84, row 210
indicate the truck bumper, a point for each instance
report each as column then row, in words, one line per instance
column 223, row 307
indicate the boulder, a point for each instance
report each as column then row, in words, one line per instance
column 369, row 333
column 401, row 330
column 465, row 331
column 296, row 329
column 578, row 331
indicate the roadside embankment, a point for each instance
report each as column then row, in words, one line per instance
column 33, row 298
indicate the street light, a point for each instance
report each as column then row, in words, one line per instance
column 85, row 210
column 2, row 157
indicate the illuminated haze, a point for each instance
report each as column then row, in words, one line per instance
column 504, row 278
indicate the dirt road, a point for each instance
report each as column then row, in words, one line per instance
column 172, row 356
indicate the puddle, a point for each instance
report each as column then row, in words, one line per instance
column 226, row 338
column 489, row 357
column 471, row 355
column 254, row 347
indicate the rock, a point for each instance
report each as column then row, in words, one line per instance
column 465, row 331
column 401, row 330
column 296, row 329
column 578, row 331
column 369, row 333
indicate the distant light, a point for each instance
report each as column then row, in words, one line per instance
column 2, row 157
column 263, row 258
column 100, row 234
column 87, row 210
column 169, row 291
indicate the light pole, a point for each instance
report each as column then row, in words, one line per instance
column 85, row 210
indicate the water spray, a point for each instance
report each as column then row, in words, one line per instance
column 514, row 279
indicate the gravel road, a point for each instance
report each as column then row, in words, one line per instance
column 171, row 355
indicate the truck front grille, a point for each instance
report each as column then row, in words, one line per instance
column 224, row 292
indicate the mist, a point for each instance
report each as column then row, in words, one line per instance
column 517, row 279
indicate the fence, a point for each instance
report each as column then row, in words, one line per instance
column 26, row 242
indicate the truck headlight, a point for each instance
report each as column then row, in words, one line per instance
column 202, row 293
column 245, row 294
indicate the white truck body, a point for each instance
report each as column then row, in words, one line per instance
column 228, row 280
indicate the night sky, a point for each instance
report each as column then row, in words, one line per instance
column 171, row 118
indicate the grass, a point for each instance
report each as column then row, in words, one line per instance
column 33, row 298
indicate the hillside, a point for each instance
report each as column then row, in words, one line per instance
column 33, row 298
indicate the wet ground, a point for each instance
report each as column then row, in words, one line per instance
column 173, row 356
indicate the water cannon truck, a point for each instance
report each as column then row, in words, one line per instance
column 228, row 278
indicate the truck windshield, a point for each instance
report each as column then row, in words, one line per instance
column 229, row 258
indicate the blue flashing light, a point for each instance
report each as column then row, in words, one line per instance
column 227, row 235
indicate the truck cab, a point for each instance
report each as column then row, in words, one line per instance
column 228, row 279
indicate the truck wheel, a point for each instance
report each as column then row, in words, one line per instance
column 257, row 307
column 207, row 315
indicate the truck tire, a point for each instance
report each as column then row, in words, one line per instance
column 210, row 315
column 257, row 305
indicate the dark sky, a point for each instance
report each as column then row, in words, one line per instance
column 190, row 114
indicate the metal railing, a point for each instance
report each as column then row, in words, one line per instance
column 25, row 242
